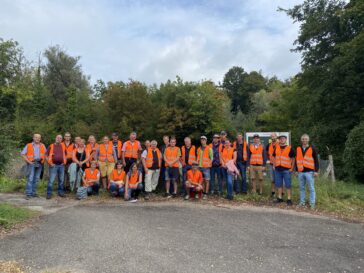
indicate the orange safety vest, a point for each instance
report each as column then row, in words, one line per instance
column 171, row 154
column 306, row 161
column 30, row 152
column 192, row 154
column 92, row 150
column 270, row 152
column 116, row 176
column 91, row 175
column 119, row 146
column 51, row 153
column 149, row 158
column 195, row 177
column 133, row 180
column 206, row 160
column 256, row 155
column 245, row 152
column 228, row 154
column 69, row 149
column 106, row 155
column 282, row 157
column 131, row 149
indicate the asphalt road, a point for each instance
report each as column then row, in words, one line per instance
column 180, row 237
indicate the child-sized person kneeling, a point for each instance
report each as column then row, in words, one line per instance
column 194, row 183
column 90, row 182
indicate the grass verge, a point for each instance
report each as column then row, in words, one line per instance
column 11, row 215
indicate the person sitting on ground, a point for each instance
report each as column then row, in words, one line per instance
column 133, row 185
column 117, row 180
column 91, row 178
column 80, row 158
column 194, row 182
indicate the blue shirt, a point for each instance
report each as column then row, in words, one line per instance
column 216, row 160
column 36, row 148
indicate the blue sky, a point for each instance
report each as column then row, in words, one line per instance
column 153, row 41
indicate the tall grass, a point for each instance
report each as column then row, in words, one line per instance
column 11, row 215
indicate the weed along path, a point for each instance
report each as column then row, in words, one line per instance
column 101, row 237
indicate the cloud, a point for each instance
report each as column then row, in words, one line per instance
column 153, row 41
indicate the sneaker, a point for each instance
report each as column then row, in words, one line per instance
column 49, row 196
column 174, row 195
column 167, row 195
column 35, row 195
column 146, row 197
column 187, row 197
column 61, row 195
column 312, row 206
column 229, row 198
column 204, row 197
column 133, row 200
column 273, row 194
column 301, row 205
column 196, row 196
column 289, row 202
column 28, row 197
column 278, row 200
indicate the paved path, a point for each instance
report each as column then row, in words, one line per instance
column 185, row 237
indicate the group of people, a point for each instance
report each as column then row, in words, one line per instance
column 126, row 169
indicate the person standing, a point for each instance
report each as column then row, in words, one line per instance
column 257, row 159
column 172, row 157
column 228, row 156
column 131, row 151
column 92, row 147
column 283, row 165
column 69, row 150
column 205, row 155
column 152, row 161
column 117, row 144
column 162, row 148
column 269, row 150
column 241, row 161
column 57, row 159
column 80, row 160
column 307, row 165
column 188, row 156
column 34, row 154
column 106, row 157
column 216, row 166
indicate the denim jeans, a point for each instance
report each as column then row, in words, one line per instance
column 229, row 182
column 271, row 173
column 303, row 178
column 32, row 179
column 283, row 176
column 135, row 191
column 218, row 172
column 242, row 169
column 94, row 189
column 56, row 171
column 115, row 188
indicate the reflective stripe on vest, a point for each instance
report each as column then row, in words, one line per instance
column 171, row 154
column 69, row 149
column 206, row 161
column 131, row 149
column 270, row 152
column 30, row 152
column 191, row 156
column 149, row 158
column 51, row 153
column 106, row 154
column 256, row 155
column 306, row 161
column 282, row 157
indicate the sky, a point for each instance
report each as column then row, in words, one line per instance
column 153, row 41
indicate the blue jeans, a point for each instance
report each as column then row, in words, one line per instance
column 303, row 178
column 135, row 191
column 32, row 179
column 242, row 169
column 115, row 188
column 282, row 176
column 216, row 171
column 229, row 182
column 94, row 189
column 56, row 171
column 271, row 173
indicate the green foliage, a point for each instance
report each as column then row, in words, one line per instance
column 11, row 215
column 353, row 154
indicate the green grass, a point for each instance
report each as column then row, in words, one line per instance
column 11, row 215
column 9, row 185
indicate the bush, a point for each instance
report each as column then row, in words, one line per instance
column 353, row 154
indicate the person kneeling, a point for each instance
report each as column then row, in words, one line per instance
column 194, row 183
column 133, row 184
column 91, row 178
column 117, row 181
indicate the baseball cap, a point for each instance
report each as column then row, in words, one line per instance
column 203, row 137
column 256, row 136
column 282, row 136
column 194, row 163
column 223, row 133
column 216, row 136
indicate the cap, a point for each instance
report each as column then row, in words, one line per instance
column 256, row 136
column 282, row 136
column 223, row 133
column 203, row 137
column 194, row 163
column 114, row 134
column 216, row 136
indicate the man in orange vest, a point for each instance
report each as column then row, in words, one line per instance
column 205, row 156
column 34, row 154
column 152, row 161
column 57, row 159
column 194, row 181
column 307, row 165
column 117, row 144
column 241, row 161
column 283, row 166
column 188, row 156
column 131, row 151
column 269, row 150
column 69, row 150
column 106, row 157
column 172, row 157
column 257, row 159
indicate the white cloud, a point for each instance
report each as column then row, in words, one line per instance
column 154, row 41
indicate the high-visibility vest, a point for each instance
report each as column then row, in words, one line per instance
column 305, row 161
column 92, row 150
column 131, row 149
column 270, row 152
column 116, row 176
column 51, row 153
column 106, row 155
column 206, row 160
column 282, row 158
column 191, row 154
column 30, row 152
column 149, row 158
column 171, row 154
column 69, row 149
column 195, row 177
column 227, row 154
column 91, row 175
column 256, row 155
column 245, row 151
column 133, row 180
column 118, row 148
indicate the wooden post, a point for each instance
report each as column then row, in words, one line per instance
column 330, row 169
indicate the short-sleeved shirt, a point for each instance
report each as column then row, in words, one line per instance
column 36, row 148
column 123, row 149
column 155, row 159
column 291, row 154
column 211, row 154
